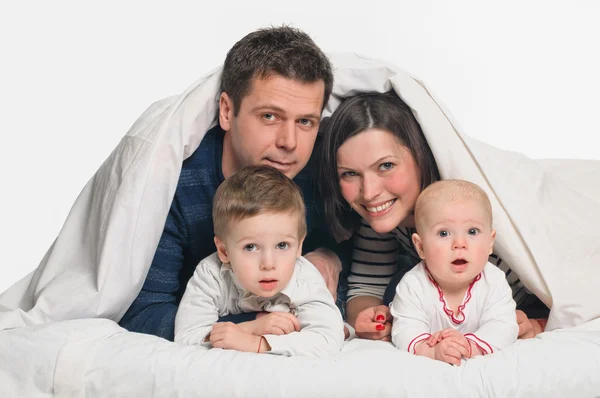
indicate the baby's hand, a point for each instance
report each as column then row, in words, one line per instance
column 450, row 351
column 273, row 323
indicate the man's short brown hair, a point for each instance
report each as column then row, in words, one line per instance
column 255, row 190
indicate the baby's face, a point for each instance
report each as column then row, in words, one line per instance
column 455, row 242
column 262, row 251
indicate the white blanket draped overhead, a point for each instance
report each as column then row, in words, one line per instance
column 546, row 213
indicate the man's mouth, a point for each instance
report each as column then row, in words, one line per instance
column 280, row 165
column 379, row 208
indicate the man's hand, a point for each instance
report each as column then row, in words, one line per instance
column 329, row 265
column 230, row 336
column 374, row 323
column 278, row 323
column 528, row 328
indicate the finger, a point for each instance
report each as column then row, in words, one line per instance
column 380, row 314
column 459, row 350
column 521, row 316
column 451, row 360
column 295, row 321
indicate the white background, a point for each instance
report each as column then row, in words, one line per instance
column 521, row 75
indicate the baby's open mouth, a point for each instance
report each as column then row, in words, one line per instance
column 459, row 261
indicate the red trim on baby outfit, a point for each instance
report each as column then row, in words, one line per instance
column 461, row 307
column 480, row 343
column 417, row 340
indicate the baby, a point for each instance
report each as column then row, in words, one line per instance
column 259, row 225
column 454, row 304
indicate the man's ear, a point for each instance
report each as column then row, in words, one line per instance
column 492, row 240
column 418, row 245
column 225, row 111
column 221, row 250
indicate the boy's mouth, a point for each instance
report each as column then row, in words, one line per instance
column 268, row 284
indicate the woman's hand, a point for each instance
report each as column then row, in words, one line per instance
column 528, row 328
column 374, row 323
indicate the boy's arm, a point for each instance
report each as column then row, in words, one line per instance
column 199, row 307
column 411, row 326
column 498, row 326
column 321, row 325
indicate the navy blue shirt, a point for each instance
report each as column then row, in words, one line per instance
column 188, row 237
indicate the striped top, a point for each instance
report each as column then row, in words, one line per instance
column 377, row 258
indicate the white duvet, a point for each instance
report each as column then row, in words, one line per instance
column 546, row 213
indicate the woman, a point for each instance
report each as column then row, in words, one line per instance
column 375, row 161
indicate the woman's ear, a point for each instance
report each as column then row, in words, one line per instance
column 418, row 245
column 225, row 111
column 221, row 250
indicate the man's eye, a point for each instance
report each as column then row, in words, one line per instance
column 386, row 166
column 473, row 231
column 268, row 116
column 250, row 247
column 443, row 233
column 305, row 122
column 283, row 245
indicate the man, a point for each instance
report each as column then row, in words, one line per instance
column 275, row 84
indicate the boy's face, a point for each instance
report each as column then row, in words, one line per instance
column 262, row 251
column 276, row 125
column 455, row 241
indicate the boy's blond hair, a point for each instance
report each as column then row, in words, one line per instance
column 449, row 191
column 255, row 190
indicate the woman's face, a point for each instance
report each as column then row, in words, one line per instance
column 379, row 179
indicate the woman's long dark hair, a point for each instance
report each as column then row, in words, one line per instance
column 354, row 116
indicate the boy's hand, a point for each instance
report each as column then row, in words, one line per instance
column 278, row 323
column 230, row 336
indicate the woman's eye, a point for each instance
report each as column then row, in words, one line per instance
column 347, row 174
column 386, row 166
column 473, row 231
column 283, row 245
column 443, row 233
column 250, row 247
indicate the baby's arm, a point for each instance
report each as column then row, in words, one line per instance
column 411, row 325
column 198, row 310
column 321, row 325
column 498, row 326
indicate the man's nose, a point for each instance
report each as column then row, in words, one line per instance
column 286, row 137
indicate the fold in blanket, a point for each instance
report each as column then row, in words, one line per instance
column 546, row 213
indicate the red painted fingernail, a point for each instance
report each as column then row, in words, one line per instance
column 379, row 327
column 380, row 317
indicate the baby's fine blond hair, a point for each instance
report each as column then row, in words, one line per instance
column 450, row 191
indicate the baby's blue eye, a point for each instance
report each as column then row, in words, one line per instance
column 473, row 231
column 443, row 233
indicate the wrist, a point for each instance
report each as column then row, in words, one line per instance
column 263, row 345
column 425, row 350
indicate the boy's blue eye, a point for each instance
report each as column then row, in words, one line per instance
column 443, row 233
column 250, row 247
column 283, row 245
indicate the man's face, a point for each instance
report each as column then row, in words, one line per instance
column 276, row 125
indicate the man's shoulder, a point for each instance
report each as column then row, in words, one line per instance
column 204, row 155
